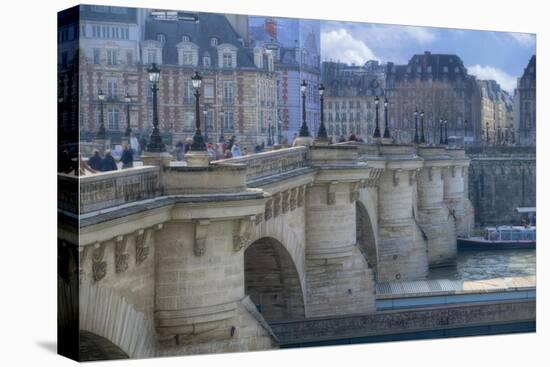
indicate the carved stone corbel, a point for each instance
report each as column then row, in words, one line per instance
column 83, row 254
column 268, row 209
column 201, row 231
column 121, row 255
column 301, row 196
column 285, row 201
column 412, row 176
column 242, row 234
column 293, row 199
column 258, row 220
column 143, row 239
column 395, row 173
column 276, row 205
column 99, row 266
column 354, row 192
column 331, row 193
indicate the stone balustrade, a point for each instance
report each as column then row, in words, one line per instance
column 108, row 189
column 271, row 163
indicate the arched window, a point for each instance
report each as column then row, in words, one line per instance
column 161, row 37
column 213, row 42
column 185, row 38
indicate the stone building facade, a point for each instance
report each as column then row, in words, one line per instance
column 349, row 97
column 527, row 100
column 496, row 114
column 295, row 46
column 239, row 88
column 439, row 85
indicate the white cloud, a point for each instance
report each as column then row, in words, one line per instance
column 387, row 35
column 340, row 45
column 420, row 34
column 523, row 39
column 506, row 81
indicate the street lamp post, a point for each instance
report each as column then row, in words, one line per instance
column 101, row 133
column 416, row 138
column 445, row 123
column 441, row 141
column 386, row 129
column 465, row 130
column 222, row 138
column 422, row 137
column 155, row 140
column 377, row 127
column 128, row 100
column 322, row 132
column 270, row 133
column 279, row 132
column 205, row 113
column 304, row 131
column 198, row 140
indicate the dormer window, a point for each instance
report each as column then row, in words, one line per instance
column 187, row 58
column 151, row 56
column 213, row 42
column 445, row 69
column 206, row 60
column 227, row 60
column 161, row 38
column 456, row 69
column 185, row 38
column 419, row 69
column 429, row 69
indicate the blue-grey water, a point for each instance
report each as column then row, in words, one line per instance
column 476, row 265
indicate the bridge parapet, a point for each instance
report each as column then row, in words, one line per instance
column 108, row 189
column 271, row 163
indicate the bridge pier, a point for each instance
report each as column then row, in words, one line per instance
column 338, row 279
column 200, row 300
column 455, row 181
column 402, row 248
column 433, row 215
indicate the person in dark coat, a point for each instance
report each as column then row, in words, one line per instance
column 342, row 139
column 352, row 137
column 64, row 162
column 95, row 161
column 108, row 163
column 127, row 158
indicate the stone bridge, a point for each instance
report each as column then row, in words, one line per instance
column 180, row 260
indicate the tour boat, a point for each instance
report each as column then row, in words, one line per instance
column 501, row 238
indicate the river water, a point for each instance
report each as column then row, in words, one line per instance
column 476, row 265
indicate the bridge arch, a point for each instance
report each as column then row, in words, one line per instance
column 272, row 280
column 366, row 235
column 93, row 347
column 105, row 314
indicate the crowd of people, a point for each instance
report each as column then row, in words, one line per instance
column 222, row 150
column 216, row 151
column 106, row 163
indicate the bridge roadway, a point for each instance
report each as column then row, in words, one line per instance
column 172, row 260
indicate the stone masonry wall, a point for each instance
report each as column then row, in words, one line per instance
column 498, row 184
column 402, row 252
column 339, row 280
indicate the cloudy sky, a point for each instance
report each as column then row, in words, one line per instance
column 488, row 55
